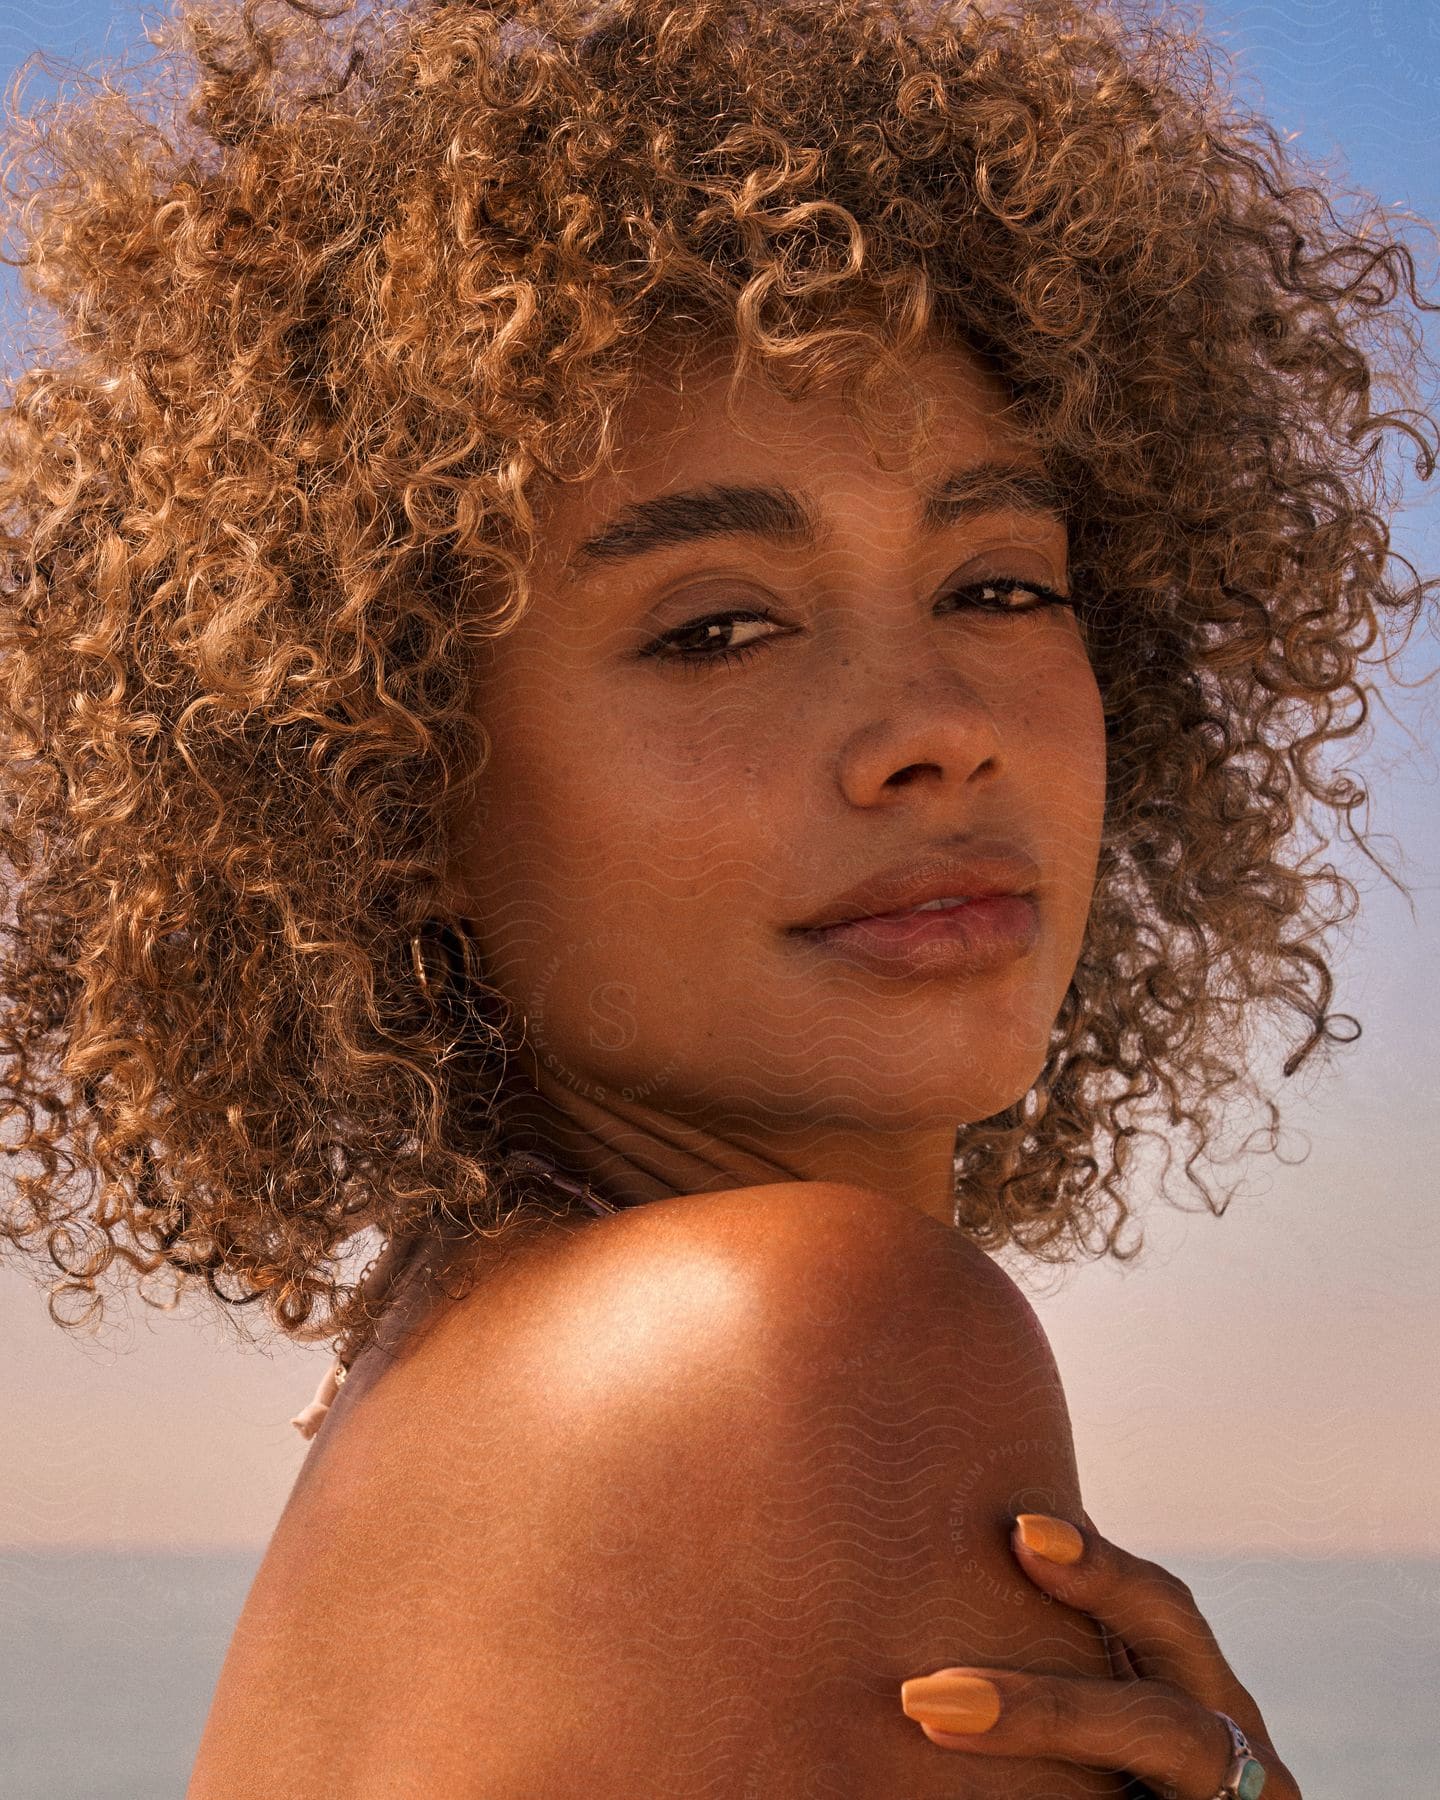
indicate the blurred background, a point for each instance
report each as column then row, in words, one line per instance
column 1253, row 1398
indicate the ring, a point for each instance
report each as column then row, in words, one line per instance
column 1245, row 1777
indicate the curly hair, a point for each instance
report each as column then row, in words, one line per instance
column 322, row 327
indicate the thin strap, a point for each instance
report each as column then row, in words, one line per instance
column 379, row 1275
column 385, row 1268
column 528, row 1164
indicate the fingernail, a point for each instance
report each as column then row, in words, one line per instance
column 951, row 1702
column 1053, row 1539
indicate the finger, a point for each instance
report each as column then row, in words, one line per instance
column 1121, row 1666
column 1152, row 1612
column 1143, row 1728
column 1117, row 1656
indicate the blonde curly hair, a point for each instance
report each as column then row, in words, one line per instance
column 321, row 329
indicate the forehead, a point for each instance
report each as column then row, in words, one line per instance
column 682, row 425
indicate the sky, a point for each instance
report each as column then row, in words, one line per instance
column 1262, row 1383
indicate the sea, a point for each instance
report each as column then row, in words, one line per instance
column 108, row 1661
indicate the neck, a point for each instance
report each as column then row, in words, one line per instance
column 631, row 1154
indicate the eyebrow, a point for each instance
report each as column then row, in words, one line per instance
column 785, row 517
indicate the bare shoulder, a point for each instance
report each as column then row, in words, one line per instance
column 819, row 1246
column 785, row 1281
column 747, row 1300
column 819, row 1280
column 789, row 1253
column 674, row 1502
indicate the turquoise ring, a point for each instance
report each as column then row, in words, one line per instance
column 1245, row 1777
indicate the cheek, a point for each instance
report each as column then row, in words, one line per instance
column 1062, row 727
column 1067, row 750
column 1090, row 751
column 615, row 845
column 565, row 793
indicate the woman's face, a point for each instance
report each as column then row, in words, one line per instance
column 656, row 822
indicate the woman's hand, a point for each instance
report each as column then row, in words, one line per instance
column 1155, row 1719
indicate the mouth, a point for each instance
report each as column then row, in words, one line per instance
column 906, row 912
column 961, row 936
column 942, row 877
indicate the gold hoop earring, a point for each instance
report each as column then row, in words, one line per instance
column 418, row 961
column 434, row 987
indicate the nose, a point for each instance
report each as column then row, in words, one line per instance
column 928, row 729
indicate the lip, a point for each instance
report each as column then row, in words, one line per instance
column 973, row 872
column 973, row 939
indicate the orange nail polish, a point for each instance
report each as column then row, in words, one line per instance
column 951, row 1702
column 1053, row 1539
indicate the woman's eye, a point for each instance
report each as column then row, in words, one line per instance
column 697, row 644
column 1010, row 586
column 703, row 643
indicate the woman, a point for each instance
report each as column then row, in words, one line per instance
column 556, row 536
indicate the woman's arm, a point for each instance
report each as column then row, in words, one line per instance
column 677, row 1505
